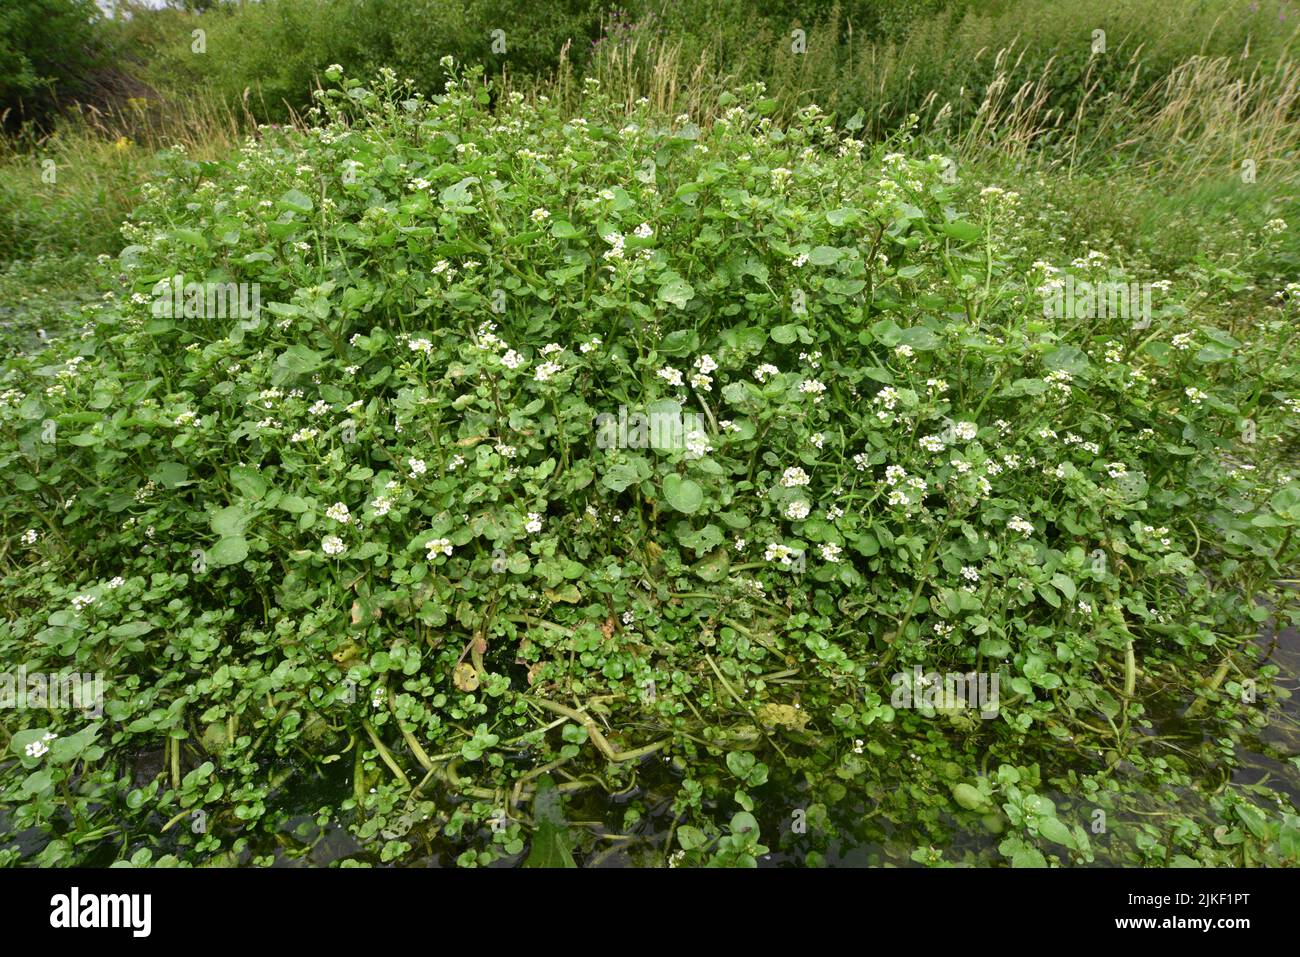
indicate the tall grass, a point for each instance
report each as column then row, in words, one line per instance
column 1192, row 104
column 69, row 190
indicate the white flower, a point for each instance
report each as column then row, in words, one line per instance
column 30, row 536
column 812, row 387
column 82, row 601
column 320, row 407
column 969, row 573
column 800, row 260
column 932, row 443
column 697, row 443
column 615, row 250
column 817, row 440
column 381, row 505
column 332, row 545
column 831, row 552
column 1195, row 396
column 417, row 467
column 540, row 215
column 439, row 546
column 778, row 553
column 456, row 462
column 796, row 510
column 420, row 345
column 339, row 512
column 794, row 476
column 37, row 749
column 590, row 346
column 904, row 351
column 706, row 364
column 701, row 382
column 965, row 430
column 670, row 375
column 116, row 582
column 546, row 370
column 644, row 231
column 766, row 371
column 512, row 359
column 1018, row 524
column 534, row 523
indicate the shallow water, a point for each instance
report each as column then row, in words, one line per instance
column 853, row 834
column 861, row 837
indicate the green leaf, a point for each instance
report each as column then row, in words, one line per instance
column 1055, row 831
column 552, row 841
column 296, row 200
column 248, row 481
column 1064, row 585
column 458, row 194
column 1028, row 857
column 677, row 291
column 962, row 231
column 682, row 494
column 919, row 338
column 170, row 474
column 844, row 216
column 230, row 522
column 740, row 763
column 969, row 797
column 228, row 551
column 689, row 837
column 299, row 360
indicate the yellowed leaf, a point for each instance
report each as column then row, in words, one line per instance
column 465, row 677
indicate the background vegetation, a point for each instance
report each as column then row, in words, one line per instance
column 1166, row 145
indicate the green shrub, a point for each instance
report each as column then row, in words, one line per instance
column 277, row 50
column 390, row 525
column 48, row 49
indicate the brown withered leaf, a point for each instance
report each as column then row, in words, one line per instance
column 465, row 677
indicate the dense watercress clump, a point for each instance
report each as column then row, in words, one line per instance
column 637, row 454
